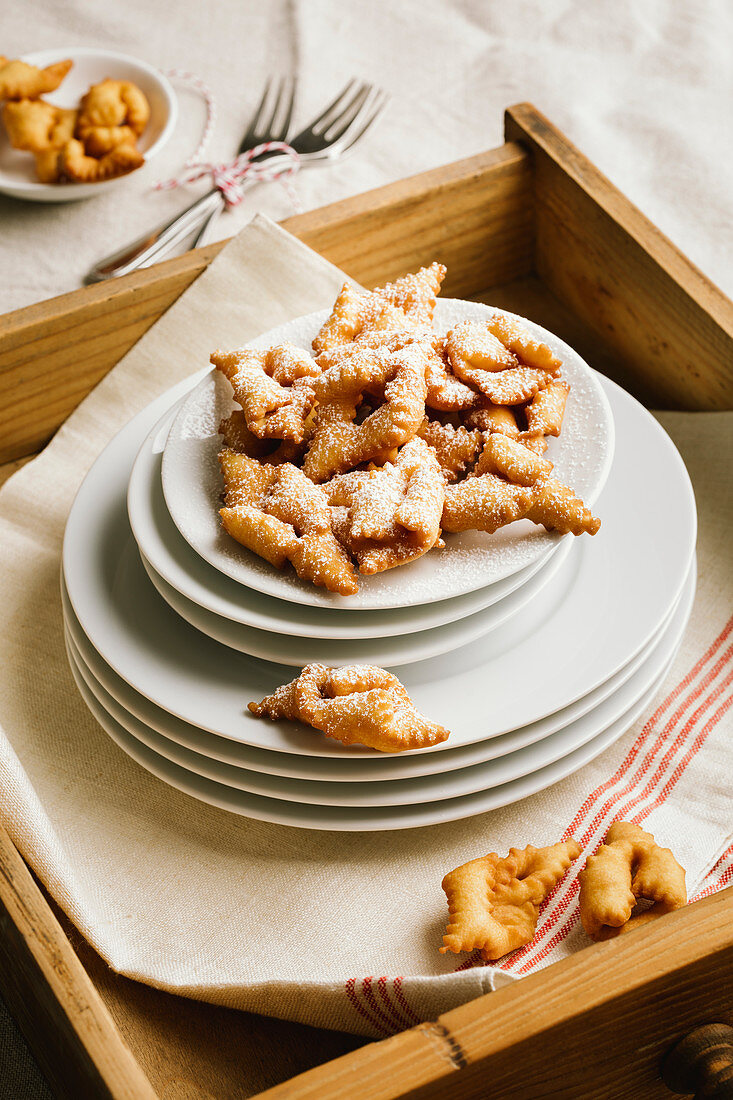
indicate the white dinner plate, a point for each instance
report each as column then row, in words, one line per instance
column 346, row 767
column 192, row 487
column 291, row 649
column 420, row 789
column 167, row 552
column 353, row 818
column 628, row 578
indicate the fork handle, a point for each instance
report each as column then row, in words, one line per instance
column 206, row 232
column 155, row 243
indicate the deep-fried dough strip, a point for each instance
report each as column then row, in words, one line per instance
column 531, row 352
column 483, row 503
column 471, row 347
column 338, row 444
column 274, row 388
column 355, row 705
column 279, row 514
column 406, row 303
column 546, row 410
column 494, row 903
column 36, row 126
column 557, row 508
column 75, row 165
column 628, row 866
column 19, row 80
column 492, row 418
column 508, row 458
column 456, row 448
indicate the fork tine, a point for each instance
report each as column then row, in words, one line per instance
column 285, row 128
column 272, row 130
column 337, row 102
column 358, row 127
column 256, row 120
column 347, row 116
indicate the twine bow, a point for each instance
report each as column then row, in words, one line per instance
column 230, row 177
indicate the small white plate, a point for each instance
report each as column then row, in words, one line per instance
column 291, row 649
column 17, row 169
column 453, row 784
column 346, row 767
column 166, row 551
column 351, row 818
column 629, row 577
column 192, row 487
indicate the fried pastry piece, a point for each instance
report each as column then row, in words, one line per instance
column 273, row 387
column 392, row 513
column 279, row 514
column 532, row 442
column 494, row 903
column 274, row 452
column 628, row 866
column 19, row 80
column 511, row 460
column 484, row 503
column 530, row 352
column 471, row 347
column 338, row 444
column 407, row 303
column 447, row 393
column 492, row 418
column 112, row 113
column 415, row 293
column 557, row 508
column 479, row 358
column 75, row 165
column 546, row 410
column 357, row 704
column 455, row 448
column 36, row 126
column 48, row 167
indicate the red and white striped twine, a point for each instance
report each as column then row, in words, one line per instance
column 228, row 177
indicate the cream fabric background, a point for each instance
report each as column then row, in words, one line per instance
column 640, row 85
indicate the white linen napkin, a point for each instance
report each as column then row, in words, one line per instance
column 335, row 930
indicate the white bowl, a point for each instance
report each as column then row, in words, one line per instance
column 17, row 168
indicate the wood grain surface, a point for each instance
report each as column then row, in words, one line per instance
column 595, row 1025
column 606, row 261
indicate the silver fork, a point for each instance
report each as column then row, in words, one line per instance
column 329, row 136
column 265, row 125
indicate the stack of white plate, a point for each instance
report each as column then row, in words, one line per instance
column 536, row 651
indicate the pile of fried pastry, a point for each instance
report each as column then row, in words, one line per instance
column 94, row 142
column 364, row 453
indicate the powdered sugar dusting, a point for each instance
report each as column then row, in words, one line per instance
column 192, row 485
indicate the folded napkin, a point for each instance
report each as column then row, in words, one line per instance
column 336, row 930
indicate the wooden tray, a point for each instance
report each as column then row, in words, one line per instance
column 534, row 227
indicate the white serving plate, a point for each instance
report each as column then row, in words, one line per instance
column 192, row 486
column 628, row 578
column 352, row 818
column 350, row 765
column 294, row 650
column 169, row 555
column 91, row 65
column 421, row 789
